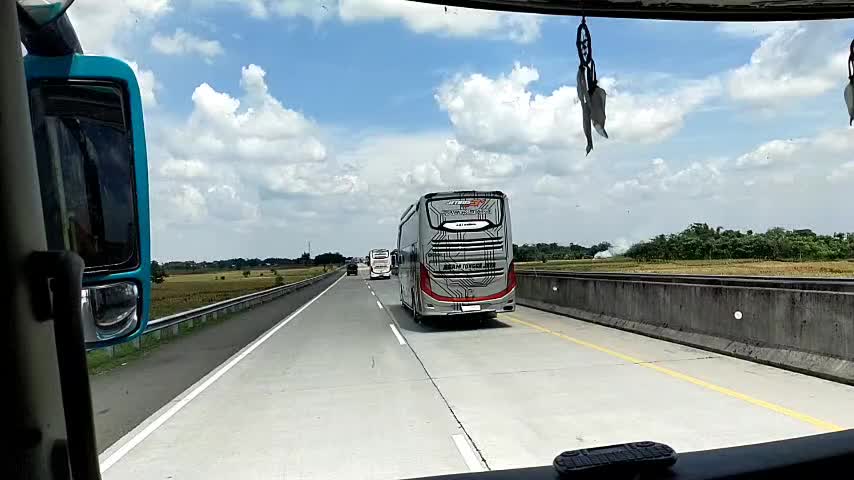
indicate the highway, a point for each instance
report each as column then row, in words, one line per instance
column 348, row 386
column 127, row 395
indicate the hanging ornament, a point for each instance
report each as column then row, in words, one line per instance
column 590, row 95
column 849, row 89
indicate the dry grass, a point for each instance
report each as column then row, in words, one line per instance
column 836, row 268
column 179, row 293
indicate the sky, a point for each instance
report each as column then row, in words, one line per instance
column 274, row 123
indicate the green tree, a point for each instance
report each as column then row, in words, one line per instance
column 329, row 258
column 246, row 273
column 158, row 273
column 699, row 241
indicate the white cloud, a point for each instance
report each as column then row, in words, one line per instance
column 105, row 27
column 504, row 113
column 754, row 29
column 233, row 152
column 553, row 185
column 182, row 203
column 771, row 153
column 842, row 172
column 225, row 203
column 698, row 179
column 183, row 43
column 418, row 17
column 262, row 178
column 793, row 61
column 108, row 28
column 785, row 161
column 148, row 84
column 451, row 21
column 184, row 169
column 778, row 183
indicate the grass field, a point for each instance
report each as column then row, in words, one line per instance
column 179, row 293
column 836, row 268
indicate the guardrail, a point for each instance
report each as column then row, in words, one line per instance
column 209, row 312
column 794, row 283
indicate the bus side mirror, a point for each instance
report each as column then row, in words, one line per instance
column 86, row 113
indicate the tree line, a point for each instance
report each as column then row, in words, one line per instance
column 532, row 252
column 700, row 241
column 161, row 271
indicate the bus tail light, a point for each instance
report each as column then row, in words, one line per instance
column 511, row 277
column 425, row 279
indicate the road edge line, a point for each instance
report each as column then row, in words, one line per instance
column 467, row 452
column 115, row 452
column 397, row 334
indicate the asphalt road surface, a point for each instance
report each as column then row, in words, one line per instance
column 349, row 387
column 127, row 395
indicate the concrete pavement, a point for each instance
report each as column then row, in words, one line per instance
column 333, row 392
column 127, row 395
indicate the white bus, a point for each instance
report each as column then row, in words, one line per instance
column 379, row 261
column 456, row 254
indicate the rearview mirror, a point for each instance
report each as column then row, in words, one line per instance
column 109, row 311
column 90, row 149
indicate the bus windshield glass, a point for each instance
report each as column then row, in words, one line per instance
column 520, row 289
column 465, row 213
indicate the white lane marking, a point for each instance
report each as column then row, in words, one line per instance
column 374, row 294
column 221, row 370
column 379, row 305
column 468, row 453
column 397, row 334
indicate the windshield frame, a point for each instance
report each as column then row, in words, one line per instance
column 757, row 11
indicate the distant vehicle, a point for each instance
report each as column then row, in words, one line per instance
column 456, row 254
column 379, row 261
column 352, row 269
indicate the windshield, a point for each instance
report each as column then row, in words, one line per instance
column 658, row 248
column 465, row 212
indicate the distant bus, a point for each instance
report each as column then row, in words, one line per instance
column 456, row 254
column 380, row 263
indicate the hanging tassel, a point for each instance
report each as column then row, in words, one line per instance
column 849, row 89
column 590, row 95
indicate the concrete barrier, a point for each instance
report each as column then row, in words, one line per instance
column 807, row 330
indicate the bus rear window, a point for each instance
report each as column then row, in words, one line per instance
column 465, row 213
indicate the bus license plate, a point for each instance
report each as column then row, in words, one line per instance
column 470, row 308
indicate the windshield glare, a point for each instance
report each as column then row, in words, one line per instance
column 682, row 274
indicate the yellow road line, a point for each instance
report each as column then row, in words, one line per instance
column 821, row 424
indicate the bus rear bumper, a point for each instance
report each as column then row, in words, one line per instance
column 433, row 307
